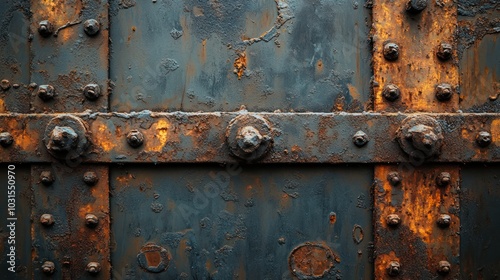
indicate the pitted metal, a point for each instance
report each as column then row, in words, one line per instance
column 66, row 137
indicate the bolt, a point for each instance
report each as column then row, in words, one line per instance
column 360, row 139
column 16, row 86
column 483, row 139
column 248, row 139
column 415, row 6
column 393, row 268
column 444, row 51
column 92, row 91
column 6, row 139
column 443, row 179
column 444, row 267
column 91, row 27
column 62, row 139
column 444, row 220
column 135, row 138
column 394, row 178
column 45, row 28
column 46, row 92
column 391, row 51
column 5, row 84
column 47, row 220
column 48, row 267
column 93, row 267
column 393, row 220
column 443, row 92
column 91, row 220
column 90, row 178
column 46, row 178
column 391, row 92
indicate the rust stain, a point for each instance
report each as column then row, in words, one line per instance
column 106, row 140
column 495, row 132
column 198, row 11
column 159, row 134
column 203, row 51
column 2, row 106
column 333, row 218
column 319, row 67
column 240, row 64
column 309, row 261
column 382, row 262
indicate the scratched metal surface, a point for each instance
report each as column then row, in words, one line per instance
column 226, row 222
column 180, row 55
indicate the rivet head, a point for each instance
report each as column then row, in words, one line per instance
column 46, row 178
column 47, row 220
column 394, row 178
column 45, row 28
column 135, row 138
column 91, row 27
column 443, row 179
column 90, row 178
column 415, row 6
column 62, row 139
column 46, row 92
column 48, row 267
column 5, row 84
column 6, row 139
column 391, row 51
column 393, row 220
column 444, row 267
column 443, row 92
column 92, row 91
column 391, row 92
column 393, row 268
column 444, row 220
column 91, row 220
column 360, row 139
column 483, row 139
column 93, row 267
column 444, row 51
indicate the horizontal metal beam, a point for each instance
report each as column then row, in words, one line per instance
column 296, row 137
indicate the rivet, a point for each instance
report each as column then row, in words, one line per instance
column 91, row 27
column 444, row 267
column 46, row 178
column 6, row 139
column 393, row 268
column 444, row 220
column 415, row 6
column 90, row 178
column 16, row 86
column 93, row 267
column 443, row 92
column 391, row 92
column 46, row 92
column 483, row 139
column 92, row 91
column 91, row 220
column 5, row 84
column 444, row 51
column 393, row 220
column 394, row 178
column 135, row 138
column 47, row 219
column 48, row 267
column 45, row 28
column 360, row 139
column 62, row 139
column 391, row 51
column 443, row 179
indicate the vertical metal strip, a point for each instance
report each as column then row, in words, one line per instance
column 70, row 56
column 71, row 224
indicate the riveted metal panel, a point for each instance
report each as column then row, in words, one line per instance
column 241, row 222
column 288, row 55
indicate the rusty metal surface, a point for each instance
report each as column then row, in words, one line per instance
column 241, row 222
column 291, row 55
column 68, row 58
column 201, row 137
column 480, row 219
column 416, row 238
column 70, row 239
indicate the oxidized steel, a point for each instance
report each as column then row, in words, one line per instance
column 66, row 137
column 421, row 136
column 153, row 258
column 311, row 261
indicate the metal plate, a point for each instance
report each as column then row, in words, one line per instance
column 240, row 222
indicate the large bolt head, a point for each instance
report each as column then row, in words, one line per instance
column 360, row 139
column 47, row 219
column 92, row 91
column 90, row 178
column 391, row 51
column 393, row 268
column 48, row 267
column 135, row 138
column 6, row 139
column 444, row 220
column 45, row 28
column 444, row 267
column 46, row 92
column 483, row 139
column 248, row 139
column 391, row 92
column 444, row 51
column 416, row 6
column 46, row 178
column 93, row 267
column 62, row 140
column 393, row 220
column 91, row 27
column 443, row 179
column 444, row 92
column 420, row 137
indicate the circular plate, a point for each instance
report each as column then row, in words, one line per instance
column 311, row 261
column 420, row 126
column 153, row 258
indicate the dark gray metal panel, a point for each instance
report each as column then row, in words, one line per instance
column 480, row 220
column 240, row 222
column 24, row 267
column 180, row 55
column 15, row 55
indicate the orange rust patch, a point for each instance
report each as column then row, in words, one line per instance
column 311, row 260
column 240, row 64
column 333, row 218
column 153, row 258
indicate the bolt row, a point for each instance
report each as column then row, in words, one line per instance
column 49, row 267
column 48, row 92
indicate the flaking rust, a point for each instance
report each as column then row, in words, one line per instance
column 240, row 64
